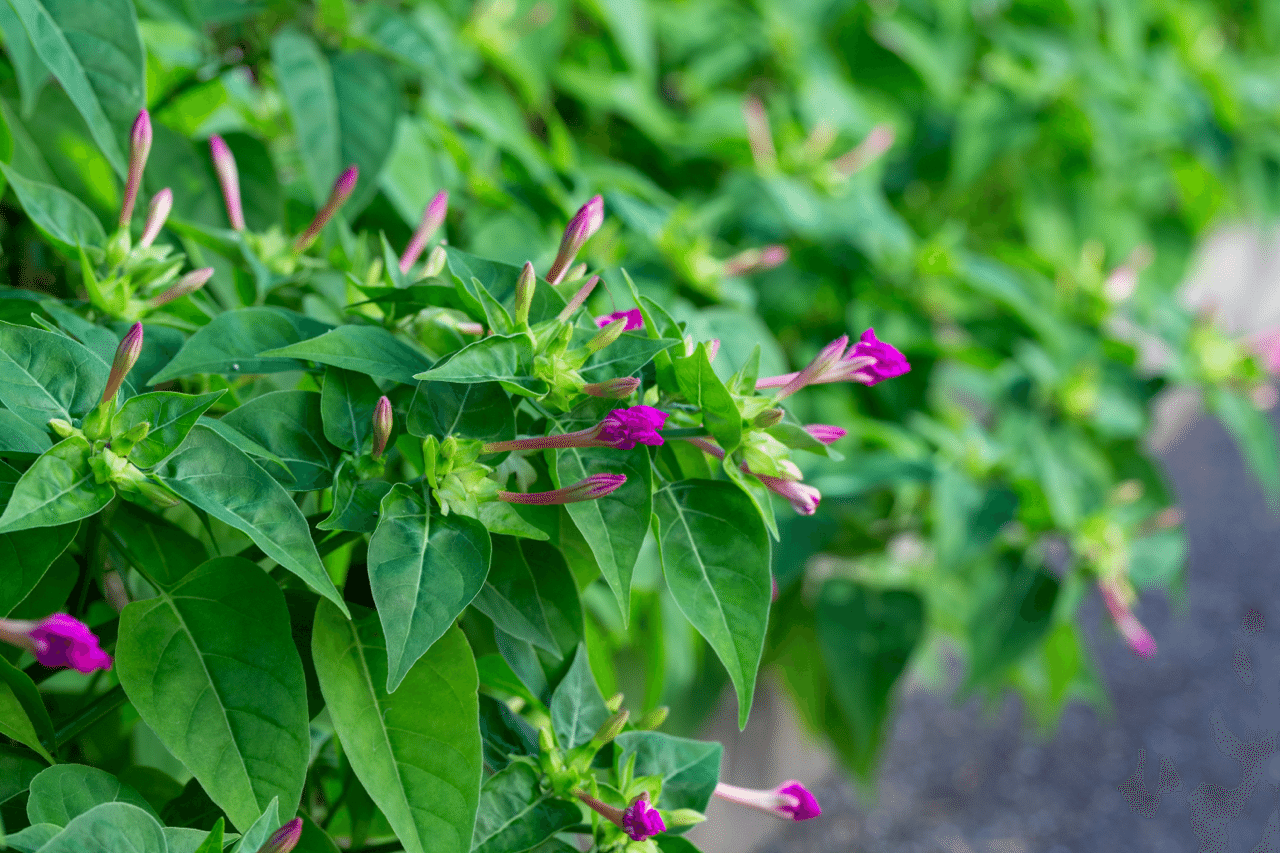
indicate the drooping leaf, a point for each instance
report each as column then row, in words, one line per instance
column 291, row 426
column 109, row 828
column 416, row 751
column 515, row 816
column 505, row 359
column 715, row 555
column 58, row 214
column 66, row 791
column 211, row 473
column 44, row 375
column 232, row 341
column 370, row 350
column 23, row 716
column 522, row 590
column 700, row 385
column 171, row 416
column 577, row 708
column 163, row 552
column 424, row 569
column 211, row 667
column 26, row 556
column 58, row 488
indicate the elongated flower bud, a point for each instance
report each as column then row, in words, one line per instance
column 803, row 499
column 768, row 418
column 284, row 839
column 381, row 426
column 342, row 189
column 1133, row 631
column 436, row 260
column 866, row 152
column 826, row 359
column 615, row 389
column 157, row 214
column 593, row 487
column 578, row 298
column 432, row 219
column 575, row 272
column 756, row 260
column 525, row 286
column 609, row 334
column 611, row 727
column 185, row 286
column 126, row 357
column 224, row 164
column 584, row 223
column 58, row 640
column 139, row 148
column 759, row 136
column 826, row 433
column 653, row 719
column 790, row 801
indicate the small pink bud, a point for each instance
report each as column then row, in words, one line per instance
column 825, row 433
column 185, row 286
column 866, row 152
column 1133, row 631
column 432, row 219
column 578, row 298
column 790, row 801
column 756, row 260
column 342, row 189
column 58, row 640
column 615, row 389
column 584, row 223
column 157, row 214
column 126, row 357
column 592, row 488
column 759, row 135
column 224, row 164
column 139, row 148
column 284, row 839
column 381, row 426
column 713, row 348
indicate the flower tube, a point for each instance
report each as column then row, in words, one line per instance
column 139, row 148
column 342, row 189
column 790, row 801
column 432, row 219
column 622, row 429
column 592, row 488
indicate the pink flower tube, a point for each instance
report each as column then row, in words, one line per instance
column 790, row 801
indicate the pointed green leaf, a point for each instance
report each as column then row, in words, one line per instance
column 257, row 834
column 364, row 349
column 171, row 416
column 26, row 556
column 290, row 425
column 347, row 403
column 17, row 437
column 58, row 214
column 577, row 708
column 481, row 411
column 624, row 357
column 23, row 716
column 58, row 488
column 689, row 769
column 65, row 791
column 701, row 387
column 44, row 375
column 507, row 360
column 232, row 341
column 110, row 828
column 356, row 502
column 515, row 815
column 520, row 594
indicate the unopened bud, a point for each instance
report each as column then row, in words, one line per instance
column 435, row 262
column 432, row 219
column 118, row 246
column 768, row 418
column 158, row 493
column 185, row 286
column 653, row 719
column 284, row 839
column 575, row 272
column 613, row 389
column 381, row 426
column 139, row 148
column 578, row 299
column 756, row 260
column 161, row 206
column 614, row 702
column 546, row 740
column 584, row 223
column 525, row 286
column 612, row 727
column 224, row 164
column 124, row 443
column 607, row 335
column 683, row 817
column 342, row 189
column 126, row 357
column 876, row 143
column 63, row 428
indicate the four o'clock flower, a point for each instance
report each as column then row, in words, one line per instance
column 58, row 640
column 868, row 361
column 790, row 801
column 593, row 487
column 617, row 389
column 622, row 429
column 1116, row 597
column 188, row 284
column 381, row 426
column 826, row 433
column 284, row 839
column 224, row 164
column 432, row 219
column 342, row 189
column 639, row 820
column 635, row 320
column 139, row 148
column 584, row 223
column 803, row 499
column 756, row 260
column 126, row 357
column 157, row 213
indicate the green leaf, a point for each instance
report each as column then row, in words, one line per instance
column 23, row 716
column 26, row 556
column 515, row 815
column 171, row 416
column 689, row 769
column 291, row 426
column 701, row 387
column 164, row 553
column 58, row 214
column 58, row 488
column 577, row 707
column 521, row 520
column 504, row 733
column 44, row 376
column 518, row 597
column 715, row 555
column 614, row 526
column 211, row 667
column 1011, row 616
column 365, row 349
column 109, row 828
column 866, row 637
column 211, row 473
column 624, row 357
column 32, row 838
column 1254, row 434
column 507, row 360
column 481, row 411
column 347, row 402
column 212, row 842
column 232, row 341
column 66, row 791
column 92, row 48
column 17, row 437
column 417, row 751
column 257, row 834
column 475, row 275
column 424, row 569
column 355, row 501
column 27, row 66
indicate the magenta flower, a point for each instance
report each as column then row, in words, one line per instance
column 826, row 433
column 633, row 317
column 804, row 499
column 790, row 801
column 139, row 148
column 584, row 223
column 1137, row 636
column 868, row 362
column 432, row 219
column 59, row 640
column 126, row 357
column 621, row 428
column 224, row 163
column 886, row 363
column 642, row 820
column 592, row 488
column 157, row 213
column 284, row 839
column 616, row 389
column 343, row 187
column 381, row 426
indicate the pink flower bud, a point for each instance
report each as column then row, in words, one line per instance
column 593, row 487
column 139, row 148
column 188, row 284
column 804, row 499
column 284, row 839
column 58, row 640
column 381, row 426
column 617, row 389
column 825, row 433
column 126, row 357
column 756, row 260
column 826, row 359
column 578, row 298
column 584, row 223
column 866, row 152
column 161, row 206
column 224, row 164
column 432, row 219
column 1137, row 636
column 790, row 801
column 342, row 189
column 758, row 134
column 713, row 348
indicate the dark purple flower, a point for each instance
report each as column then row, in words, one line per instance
column 633, row 317
column 62, row 640
column 641, row 820
column 625, row 428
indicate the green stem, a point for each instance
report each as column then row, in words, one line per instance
column 88, row 715
column 685, row 432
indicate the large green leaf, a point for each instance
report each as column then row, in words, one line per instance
column 505, row 359
column 689, row 768
column 44, row 375
column 515, row 815
column 231, row 343
column 291, row 426
column 700, row 385
column 424, row 569
column 504, row 733
column 58, row 214
column 26, row 556
column 110, row 828
column 481, row 411
column 347, row 403
column 416, row 751
column 624, row 357
column 17, row 437
column 92, row 48
column 356, row 502
column 866, row 636
column 365, row 349
column 211, row 473
column 58, row 488
column 23, row 716
column 1011, row 616
column 524, row 594
column 65, row 791
column 164, row 553
column 171, row 416
column 577, row 708
column 211, row 667
column 715, row 555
